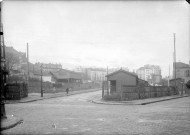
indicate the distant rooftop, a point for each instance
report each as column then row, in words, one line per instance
column 182, row 65
column 149, row 67
column 124, row 71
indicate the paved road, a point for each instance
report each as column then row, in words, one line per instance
column 75, row 115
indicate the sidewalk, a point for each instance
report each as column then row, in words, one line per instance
column 99, row 100
column 10, row 122
column 37, row 96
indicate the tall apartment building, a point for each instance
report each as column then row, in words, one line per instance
column 47, row 67
column 93, row 73
column 150, row 73
column 80, row 69
column 97, row 74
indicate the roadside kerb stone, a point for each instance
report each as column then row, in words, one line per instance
column 10, row 122
column 134, row 102
column 164, row 100
column 52, row 96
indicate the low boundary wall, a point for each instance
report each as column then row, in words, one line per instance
column 127, row 93
column 132, row 93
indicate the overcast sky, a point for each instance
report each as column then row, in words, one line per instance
column 99, row 33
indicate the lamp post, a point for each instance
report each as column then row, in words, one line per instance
column 3, row 73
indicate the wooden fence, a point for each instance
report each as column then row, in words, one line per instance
column 16, row 91
column 132, row 93
column 35, row 87
column 138, row 92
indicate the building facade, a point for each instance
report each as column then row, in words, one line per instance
column 150, row 73
column 121, row 78
column 92, row 74
column 97, row 74
column 66, row 76
column 182, row 71
column 48, row 67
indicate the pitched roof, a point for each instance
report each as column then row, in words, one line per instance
column 182, row 65
column 121, row 70
column 176, row 79
column 62, row 74
column 142, row 80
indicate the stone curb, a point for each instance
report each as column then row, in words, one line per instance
column 109, row 103
column 163, row 100
column 11, row 124
column 33, row 100
column 131, row 102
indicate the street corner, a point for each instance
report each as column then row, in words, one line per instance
column 134, row 102
column 104, row 102
column 10, row 122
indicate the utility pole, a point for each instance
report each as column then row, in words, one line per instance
column 3, row 70
column 41, row 82
column 107, row 82
column 174, row 60
column 169, row 77
column 27, row 67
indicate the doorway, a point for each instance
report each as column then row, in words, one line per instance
column 112, row 86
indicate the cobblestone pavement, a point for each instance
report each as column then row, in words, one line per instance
column 75, row 115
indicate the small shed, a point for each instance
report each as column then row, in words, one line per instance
column 121, row 78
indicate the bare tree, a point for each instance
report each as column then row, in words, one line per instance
column 11, row 59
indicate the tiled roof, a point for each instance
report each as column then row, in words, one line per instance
column 65, row 74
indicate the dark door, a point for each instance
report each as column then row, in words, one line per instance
column 113, row 86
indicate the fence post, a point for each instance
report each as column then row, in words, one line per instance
column 182, row 90
column 139, row 92
column 19, row 91
column 103, row 89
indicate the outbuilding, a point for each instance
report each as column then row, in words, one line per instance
column 66, row 76
column 121, row 78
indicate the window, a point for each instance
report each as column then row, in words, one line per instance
column 187, row 73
